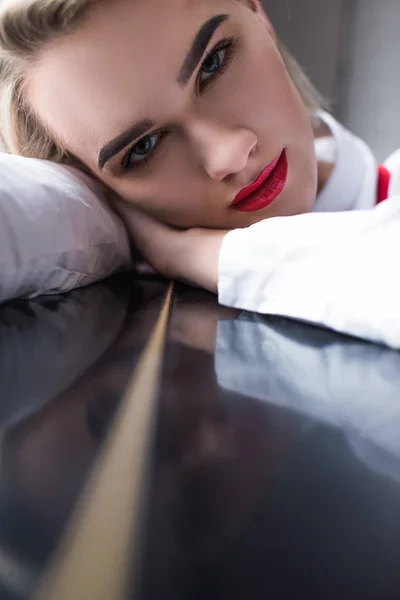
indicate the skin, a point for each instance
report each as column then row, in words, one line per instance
column 231, row 120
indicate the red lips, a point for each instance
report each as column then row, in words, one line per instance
column 268, row 185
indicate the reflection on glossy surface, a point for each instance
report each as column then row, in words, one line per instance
column 48, row 343
column 257, row 490
column 276, row 470
column 48, row 446
column 329, row 378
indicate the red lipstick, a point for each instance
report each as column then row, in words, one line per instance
column 266, row 188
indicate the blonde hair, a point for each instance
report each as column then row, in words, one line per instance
column 26, row 28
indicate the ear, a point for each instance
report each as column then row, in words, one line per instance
column 258, row 9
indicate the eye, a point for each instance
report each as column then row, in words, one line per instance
column 215, row 62
column 142, row 151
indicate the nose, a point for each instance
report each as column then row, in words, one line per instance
column 223, row 150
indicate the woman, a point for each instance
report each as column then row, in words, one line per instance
column 188, row 115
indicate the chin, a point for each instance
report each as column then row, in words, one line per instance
column 284, row 207
column 298, row 202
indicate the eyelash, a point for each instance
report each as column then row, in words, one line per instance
column 228, row 44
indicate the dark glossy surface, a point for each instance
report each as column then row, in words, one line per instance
column 276, row 467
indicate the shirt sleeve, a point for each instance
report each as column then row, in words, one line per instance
column 336, row 270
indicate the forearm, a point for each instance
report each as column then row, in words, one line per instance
column 186, row 255
column 200, row 258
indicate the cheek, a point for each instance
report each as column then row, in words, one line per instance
column 175, row 208
column 174, row 198
column 173, row 191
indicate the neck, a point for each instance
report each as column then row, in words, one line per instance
column 324, row 172
column 324, row 168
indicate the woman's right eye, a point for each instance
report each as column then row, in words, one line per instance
column 142, row 151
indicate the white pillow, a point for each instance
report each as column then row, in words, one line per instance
column 56, row 229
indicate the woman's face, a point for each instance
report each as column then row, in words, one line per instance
column 177, row 105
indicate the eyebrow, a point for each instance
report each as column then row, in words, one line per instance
column 198, row 48
column 189, row 65
column 121, row 141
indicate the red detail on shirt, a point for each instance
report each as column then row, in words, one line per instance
column 382, row 191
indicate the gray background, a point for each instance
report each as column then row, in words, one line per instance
column 351, row 49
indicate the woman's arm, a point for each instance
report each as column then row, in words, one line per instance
column 187, row 255
column 337, row 270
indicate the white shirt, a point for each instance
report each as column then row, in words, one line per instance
column 336, row 267
column 352, row 184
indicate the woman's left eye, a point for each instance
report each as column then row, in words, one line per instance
column 214, row 62
column 142, row 151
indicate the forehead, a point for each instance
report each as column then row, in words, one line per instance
column 118, row 67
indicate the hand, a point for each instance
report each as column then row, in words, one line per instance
column 189, row 255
